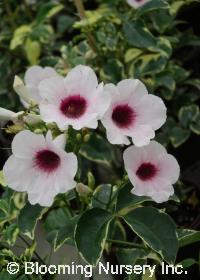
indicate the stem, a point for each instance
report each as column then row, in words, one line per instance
column 80, row 8
column 68, row 206
column 81, row 11
column 35, row 253
column 121, row 242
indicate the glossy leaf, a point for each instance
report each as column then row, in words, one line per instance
column 152, row 225
column 103, row 196
column 97, row 150
column 187, row 114
column 29, row 217
column 60, row 227
column 91, row 233
column 187, row 236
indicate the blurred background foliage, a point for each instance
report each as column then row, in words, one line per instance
column 158, row 43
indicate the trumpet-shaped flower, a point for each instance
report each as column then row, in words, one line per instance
column 7, row 115
column 76, row 100
column 137, row 3
column 132, row 112
column 29, row 91
column 152, row 171
column 40, row 166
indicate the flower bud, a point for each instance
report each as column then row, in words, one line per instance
column 7, row 115
column 83, row 190
column 86, row 138
column 21, row 90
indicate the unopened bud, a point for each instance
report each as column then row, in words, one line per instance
column 83, row 190
column 79, row 137
column 86, row 138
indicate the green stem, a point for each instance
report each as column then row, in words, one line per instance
column 35, row 253
column 68, row 206
column 81, row 11
column 121, row 242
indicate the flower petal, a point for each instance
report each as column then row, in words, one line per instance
column 25, row 143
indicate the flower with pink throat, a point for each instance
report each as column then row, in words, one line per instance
column 29, row 91
column 132, row 113
column 137, row 3
column 76, row 100
column 152, row 171
column 40, row 166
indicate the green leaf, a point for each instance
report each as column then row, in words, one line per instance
column 112, row 70
column 149, row 64
column 11, row 233
column 175, row 7
column 131, row 54
column 138, row 35
column 97, row 150
column 6, row 276
column 47, row 11
column 195, row 126
column 60, row 227
column 126, row 201
column 19, row 36
column 2, row 179
column 179, row 136
column 187, row 263
column 152, row 6
column 91, row 233
column 193, row 82
column 33, row 51
column 29, row 217
column 187, row 236
column 166, row 80
column 162, row 20
column 130, row 256
column 187, row 114
column 102, row 196
column 156, row 229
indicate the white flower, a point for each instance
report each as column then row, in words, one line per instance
column 29, row 92
column 152, row 171
column 7, row 115
column 132, row 112
column 40, row 167
column 137, row 3
column 76, row 100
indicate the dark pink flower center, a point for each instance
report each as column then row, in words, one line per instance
column 123, row 116
column 47, row 160
column 73, row 106
column 147, row 171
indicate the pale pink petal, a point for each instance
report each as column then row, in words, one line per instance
column 169, row 168
column 19, row 174
column 81, row 80
column 142, row 134
column 132, row 90
column 53, row 89
column 25, row 143
column 152, row 110
column 51, row 113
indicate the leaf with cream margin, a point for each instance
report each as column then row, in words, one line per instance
column 29, row 217
column 91, row 233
